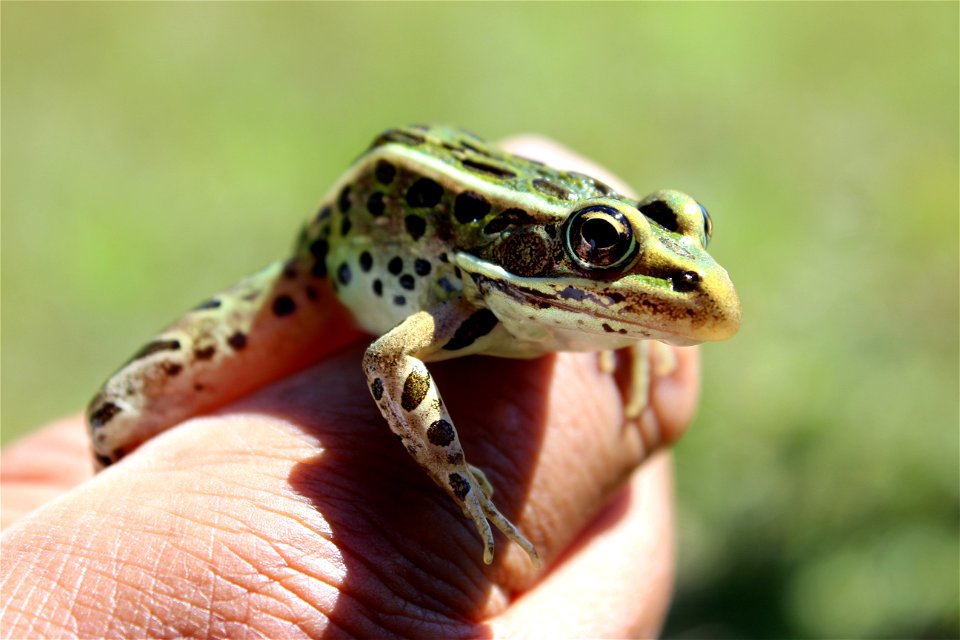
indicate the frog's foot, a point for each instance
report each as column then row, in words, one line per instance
column 607, row 361
column 471, row 489
column 638, row 393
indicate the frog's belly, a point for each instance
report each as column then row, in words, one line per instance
column 374, row 314
column 390, row 284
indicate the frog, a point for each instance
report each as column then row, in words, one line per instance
column 440, row 245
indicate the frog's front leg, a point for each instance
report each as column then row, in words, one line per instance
column 641, row 353
column 409, row 400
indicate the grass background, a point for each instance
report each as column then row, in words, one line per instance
column 154, row 153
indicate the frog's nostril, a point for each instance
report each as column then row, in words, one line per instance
column 685, row 281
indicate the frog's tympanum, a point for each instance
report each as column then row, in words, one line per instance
column 442, row 246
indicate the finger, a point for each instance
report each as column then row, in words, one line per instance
column 556, row 155
column 42, row 466
column 574, row 440
column 619, row 572
column 674, row 396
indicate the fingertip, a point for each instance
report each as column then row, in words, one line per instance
column 674, row 396
column 619, row 570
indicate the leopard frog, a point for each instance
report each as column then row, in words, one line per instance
column 440, row 245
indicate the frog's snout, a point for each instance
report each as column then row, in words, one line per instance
column 720, row 304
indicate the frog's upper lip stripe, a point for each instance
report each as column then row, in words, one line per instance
column 543, row 300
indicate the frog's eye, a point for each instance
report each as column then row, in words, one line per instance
column 679, row 213
column 707, row 225
column 599, row 237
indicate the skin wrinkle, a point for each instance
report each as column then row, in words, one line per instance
column 127, row 577
column 223, row 542
column 269, row 589
column 278, row 451
column 149, row 615
column 306, row 626
column 40, row 552
column 225, row 488
column 276, row 566
column 47, row 594
column 240, row 523
column 276, row 454
column 287, row 570
column 242, row 583
column 376, row 606
column 173, row 597
column 216, row 580
column 373, row 604
column 578, row 466
column 145, row 577
column 399, row 581
column 445, row 570
column 637, row 503
column 425, row 578
column 90, row 607
column 115, row 618
column 359, row 607
column 38, row 620
column 75, row 613
column 411, row 563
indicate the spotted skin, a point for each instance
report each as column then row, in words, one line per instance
column 443, row 246
column 259, row 331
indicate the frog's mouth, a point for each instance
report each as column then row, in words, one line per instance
column 604, row 308
column 637, row 306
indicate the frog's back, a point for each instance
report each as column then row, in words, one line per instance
column 387, row 234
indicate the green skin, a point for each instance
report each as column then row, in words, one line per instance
column 444, row 246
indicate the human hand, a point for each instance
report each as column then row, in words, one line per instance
column 292, row 512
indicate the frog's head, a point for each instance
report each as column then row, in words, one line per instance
column 614, row 269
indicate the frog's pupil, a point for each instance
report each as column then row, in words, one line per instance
column 599, row 232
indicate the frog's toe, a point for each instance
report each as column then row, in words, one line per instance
column 473, row 491
column 500, row 522
column 664, row 359
column 481, row 479
column 607, row 361
column 472, row 508
column 639, row 386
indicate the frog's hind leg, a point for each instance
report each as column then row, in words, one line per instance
column 267, row 326
column 409, row 400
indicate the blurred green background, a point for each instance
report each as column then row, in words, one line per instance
column 154, row 153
